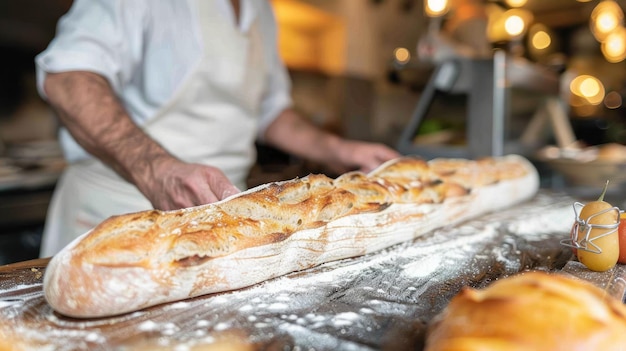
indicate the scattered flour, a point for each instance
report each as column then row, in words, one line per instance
column 245, row 308
column 422, row 268
column 346, row 318
column 222, row 326
column 148, row 326
column 202, row 323
column 278, row 306
column 4, row 290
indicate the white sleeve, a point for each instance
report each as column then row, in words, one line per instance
column 277, row 95
column 97, row 36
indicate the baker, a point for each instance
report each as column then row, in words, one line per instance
column 161, row 103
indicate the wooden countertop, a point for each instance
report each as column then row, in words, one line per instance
column 378, row 301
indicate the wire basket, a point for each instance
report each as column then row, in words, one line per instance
column 581, row 232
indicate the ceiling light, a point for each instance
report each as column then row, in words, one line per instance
column 402, row 55
column 516, row 3
column 614, row 45
column 436, row 8
column 605, row 17
column 588, row 87
column 514, row 25
column 541, row 40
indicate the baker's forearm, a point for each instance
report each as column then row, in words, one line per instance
column 91, row 112
column 294, row 134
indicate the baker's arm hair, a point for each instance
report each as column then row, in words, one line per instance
column 90, row 110
column 293, row 133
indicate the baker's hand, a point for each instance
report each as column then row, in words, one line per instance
column 360, row 155
column 178, row 184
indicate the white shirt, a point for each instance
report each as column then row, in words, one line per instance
column 147, row 49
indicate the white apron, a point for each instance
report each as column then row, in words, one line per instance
column 212, row 119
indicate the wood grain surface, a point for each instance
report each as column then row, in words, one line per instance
column 381, row 301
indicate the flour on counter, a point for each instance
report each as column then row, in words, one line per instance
column 278, row 306
column 222, row 326
column 5, row 290
column 148, row 326
column 355, row 304
column 423, row 267
column 553, row 220
column 202, row 323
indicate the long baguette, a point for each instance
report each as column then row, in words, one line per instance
column 142, row 259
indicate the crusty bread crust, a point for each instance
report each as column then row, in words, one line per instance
column 137, row 260
column 536, row 311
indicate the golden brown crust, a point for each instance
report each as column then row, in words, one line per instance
column 266, row 215
column 531, row 311
column 158, row 249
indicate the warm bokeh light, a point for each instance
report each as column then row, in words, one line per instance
column 542, row 43
column 402, row 55
column 436, row 8
column 606, row 22
column 541, row 40
column 614, row 45
column 613, row 100
column 507, row 25
column 605, row 17
column 588, row 87
column 514, row 25
column 516, row 3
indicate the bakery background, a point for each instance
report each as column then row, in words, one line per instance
column 546, row 80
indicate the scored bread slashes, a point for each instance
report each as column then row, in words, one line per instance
column 137, row 260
